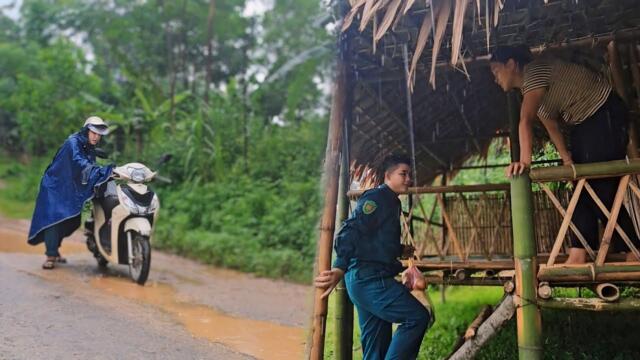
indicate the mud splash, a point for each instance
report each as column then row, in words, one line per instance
column 14, row 241
column 260, row 339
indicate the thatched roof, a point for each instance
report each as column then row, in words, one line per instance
column 466, row 110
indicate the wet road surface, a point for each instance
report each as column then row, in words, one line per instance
column 185, row 311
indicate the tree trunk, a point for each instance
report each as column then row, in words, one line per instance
column 209, row 59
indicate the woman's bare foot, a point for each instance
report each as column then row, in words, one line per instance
column 577, row 256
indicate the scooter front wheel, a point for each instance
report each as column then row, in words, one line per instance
column 140, row 263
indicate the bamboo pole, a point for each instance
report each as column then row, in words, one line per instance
column 343, row 331
column 591, row 170
column 449, row 188
column 469, row 264
column 330, row 181
column 625, row 304
column 588, row 272
column 611, row 224
column 529, row 322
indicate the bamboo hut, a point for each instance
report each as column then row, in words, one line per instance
column 413, row 77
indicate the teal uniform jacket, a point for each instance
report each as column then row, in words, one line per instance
column 371, row 236
column 368, row 247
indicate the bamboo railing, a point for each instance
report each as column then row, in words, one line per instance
column 599, row 270
column 469, row 227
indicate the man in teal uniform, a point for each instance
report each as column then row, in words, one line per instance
column 368, row 247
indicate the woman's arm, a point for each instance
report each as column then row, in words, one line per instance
column 528, row 113
column 553, row 128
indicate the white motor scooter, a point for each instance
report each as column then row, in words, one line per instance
column 123, row 216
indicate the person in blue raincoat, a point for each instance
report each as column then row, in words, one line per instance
column 367, row 248
column 67, row 183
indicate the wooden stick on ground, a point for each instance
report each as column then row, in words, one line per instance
column 472, row 330
column 489, row 327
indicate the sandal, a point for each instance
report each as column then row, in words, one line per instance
column 49, row 264
column 61, row 260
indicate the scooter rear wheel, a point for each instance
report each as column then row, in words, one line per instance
column 141, row 263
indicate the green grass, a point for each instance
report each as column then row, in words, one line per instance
column 567, row 335
column 19, row 187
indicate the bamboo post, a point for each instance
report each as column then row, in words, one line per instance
column 524, row 251
column 443, row 287
column 529, row 322
column 343, row 332
column 330, row 185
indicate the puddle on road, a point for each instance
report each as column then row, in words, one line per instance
column 260, row 339
column 13, row 241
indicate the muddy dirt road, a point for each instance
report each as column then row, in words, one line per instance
column 186, row 310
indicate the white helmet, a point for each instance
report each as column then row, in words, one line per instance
column 97, row 125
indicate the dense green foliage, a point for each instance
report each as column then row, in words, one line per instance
column 209, row 82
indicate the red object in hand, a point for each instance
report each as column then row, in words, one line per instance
column 413, row 279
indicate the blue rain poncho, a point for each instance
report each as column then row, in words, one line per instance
column 67, row 183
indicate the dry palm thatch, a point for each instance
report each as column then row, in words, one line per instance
column 392, row 9
column 458, row 22
column 355, row 7
column 444, row 10
column 423, row 36
column 435, row 20
column 369, row 11
column 407, row 6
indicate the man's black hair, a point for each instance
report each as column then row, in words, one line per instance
column 519, row 53
column 389, row 163
column 394, row 160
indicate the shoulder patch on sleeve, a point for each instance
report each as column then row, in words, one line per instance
column 369, row 207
